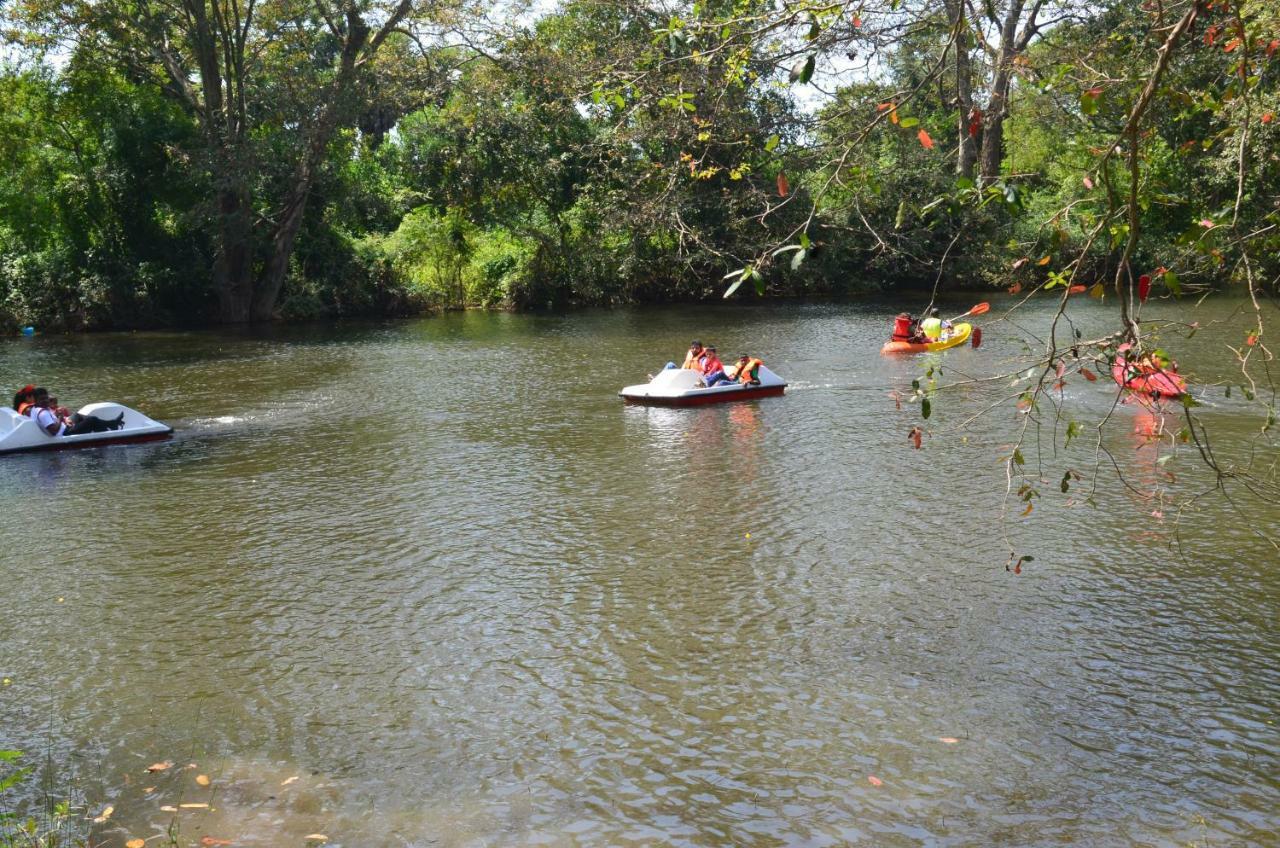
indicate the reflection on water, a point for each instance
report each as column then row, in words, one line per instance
column 437, row 571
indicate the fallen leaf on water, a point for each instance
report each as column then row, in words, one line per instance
column 104, row 815
column 167, row 808
column 316, row 837
column 1027, row 511
column 874, row 781
column 202, row 779
column 1088, row 375
column 209, row 840
column 194, row 806
column 949, row 740
column 155, row 767
column 289, row 780
column 148, row 789
column 135, row 843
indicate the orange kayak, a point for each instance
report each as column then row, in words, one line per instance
column 959, row 335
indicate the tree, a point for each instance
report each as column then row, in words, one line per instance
column 283, row 73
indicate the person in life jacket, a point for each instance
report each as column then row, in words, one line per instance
column 693, row 359
column 904, row 327
column 22, row 399
column 747, row 370
column 934, row 327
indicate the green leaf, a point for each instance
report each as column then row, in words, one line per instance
column 926, row 408
column 1018, row 458
column 742, row 276
column 1089, row 101
column 10, row 756
column 1188, row 402
column 1074, row 429
column 771, row 144
column 804, row 241
column 1171, row 280
column 759, row 281
column 13, row 779
column 802, row 70
column 964, row 184
column 907, row 123
column 901, row 217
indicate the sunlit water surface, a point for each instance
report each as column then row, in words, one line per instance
column 437, row 572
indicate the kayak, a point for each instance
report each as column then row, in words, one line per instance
column 18, row 433
column 1149, row 380
column 680, row 387
column 959, row 335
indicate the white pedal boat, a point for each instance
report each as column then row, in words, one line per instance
column 20, row 433
column 679, row 387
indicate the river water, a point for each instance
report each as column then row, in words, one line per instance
column 432, row 583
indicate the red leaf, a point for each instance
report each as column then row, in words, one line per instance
column 1211, row 34
column 1061, row 369
column 1144, row 286
column 874, row 781
column 1273, row 47
column 1015, row 288
column 915, row 436
column 1079, row 288
column 1268, row 118
column 1251, row 339
column 1231, row 45
column 1017, row 569
column 1088, row 183
column 1088, row 375
column 857, row 21
column 977, row 337
column 925, row 141
column 784, row 187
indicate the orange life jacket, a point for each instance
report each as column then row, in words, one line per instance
column 902, row 328
column 750, row 371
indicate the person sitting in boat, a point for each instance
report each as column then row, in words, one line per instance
column 22, row 399
column 906, row 329
column 934, row 328
column 747, row 371
column 75, row 425
column 693, row 359
column 712, row 367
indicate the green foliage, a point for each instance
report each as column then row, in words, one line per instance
column 607, row 153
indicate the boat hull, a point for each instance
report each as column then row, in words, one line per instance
column 1158, row 383
column 960, row 336
column 728, row 396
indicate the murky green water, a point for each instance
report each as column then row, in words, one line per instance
column 438, row 572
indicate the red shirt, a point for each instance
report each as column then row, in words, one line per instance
column 711, row 364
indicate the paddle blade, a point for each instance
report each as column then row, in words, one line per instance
column 980, row 309
column 977, row 337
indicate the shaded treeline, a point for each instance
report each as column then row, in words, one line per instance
column 229, row 161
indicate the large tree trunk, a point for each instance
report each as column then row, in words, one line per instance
column 233, row 268
column 967, row 149
column 998, row 106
